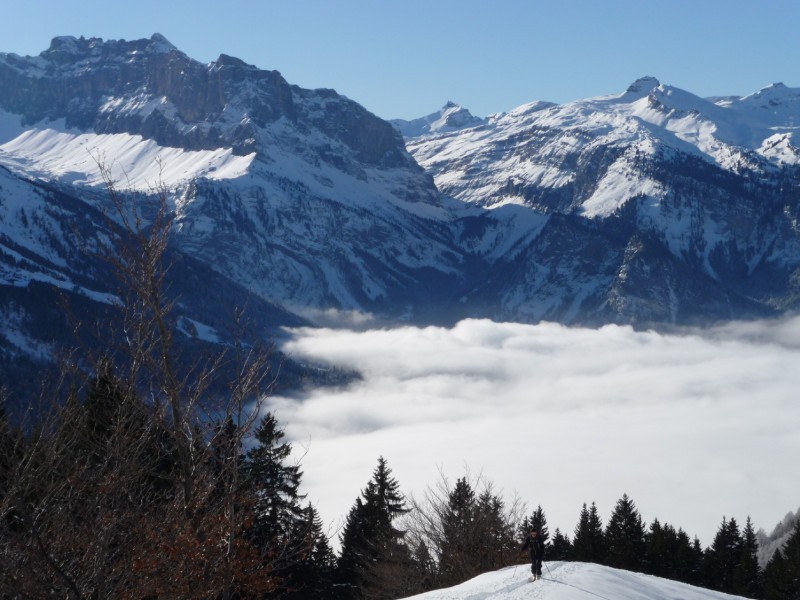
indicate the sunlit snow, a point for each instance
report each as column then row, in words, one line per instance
column 571, row 581
column 50, row 151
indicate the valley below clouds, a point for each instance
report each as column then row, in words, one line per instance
column 693, row 426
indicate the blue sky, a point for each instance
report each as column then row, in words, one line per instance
column 406, row 59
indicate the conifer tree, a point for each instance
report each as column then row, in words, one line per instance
column 687, row 558
column 747, row 576
column 312, row 576
column 458, row 534
column 104, row 402
column 624, row 536
column 588, row 544
column 698, row 557
column 494, row 536
column 658, row 553
column 373, row 552
column 670, row 554
column 561, row 548
column 722, row 559
column 782, row 573
column 424, row 569
column 776, row 583
column 477, row 534
column 280, row 528
column 537, row 520
column 7, row 450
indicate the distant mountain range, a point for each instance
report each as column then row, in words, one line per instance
column 652, row 207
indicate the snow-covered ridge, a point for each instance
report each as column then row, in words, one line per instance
column 775, row 105
column 537, row 149
column 307, row 199
column 451, row 117
column 84, row 53
column 571, row 581
column 50, row 151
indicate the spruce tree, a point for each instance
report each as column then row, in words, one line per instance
column 658, row 555
column 373, row 553
column 476, row 535
column 104, row 404
column 494, row 535
column 537, row 520
column 280, row 524
column 782, row 574
column 776, row 582
column 458, row 535
column 312, row 576
column 687, row 560
column 112, row 429
column 588, row 544
column 722, row 559
column 747, row 576
column 624, row 536
column 698, row 559
column 424, row 569
column 561, row 548
column 7, row 451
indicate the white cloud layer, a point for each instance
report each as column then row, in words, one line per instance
column 692, row 426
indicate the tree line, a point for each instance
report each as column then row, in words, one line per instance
column 135, row 478
column 94, row 505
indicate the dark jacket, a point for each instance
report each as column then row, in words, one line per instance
column 535, row 547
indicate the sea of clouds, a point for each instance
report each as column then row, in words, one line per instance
column 693, row 426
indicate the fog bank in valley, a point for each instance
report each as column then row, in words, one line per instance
column 693, row 426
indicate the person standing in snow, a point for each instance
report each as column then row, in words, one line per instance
column 535, row 547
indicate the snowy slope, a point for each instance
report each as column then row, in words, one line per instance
column 533, row 154
column 668, row 203
column 48, row 152
column 571, row 581
column 451, row 117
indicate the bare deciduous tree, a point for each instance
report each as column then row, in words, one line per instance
column 465, row 529
column 131, row 487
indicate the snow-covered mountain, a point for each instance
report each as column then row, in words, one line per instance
column 571, row 581
column 533, row 155
column 301, row 195
column 53, row 277
column 653, row 206
column 451, row 117
column 289, row 199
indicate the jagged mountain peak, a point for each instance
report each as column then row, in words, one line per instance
column 70, row 47
column 775, row 107
column 675, row 98
column 148, row 87
column 773, row 95
column 451, row 117
column 162, row 43
column 643, row 85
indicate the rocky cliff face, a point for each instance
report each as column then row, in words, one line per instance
column 325, row 209
column 150, row 88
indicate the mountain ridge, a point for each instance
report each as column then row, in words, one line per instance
column 634, row 208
